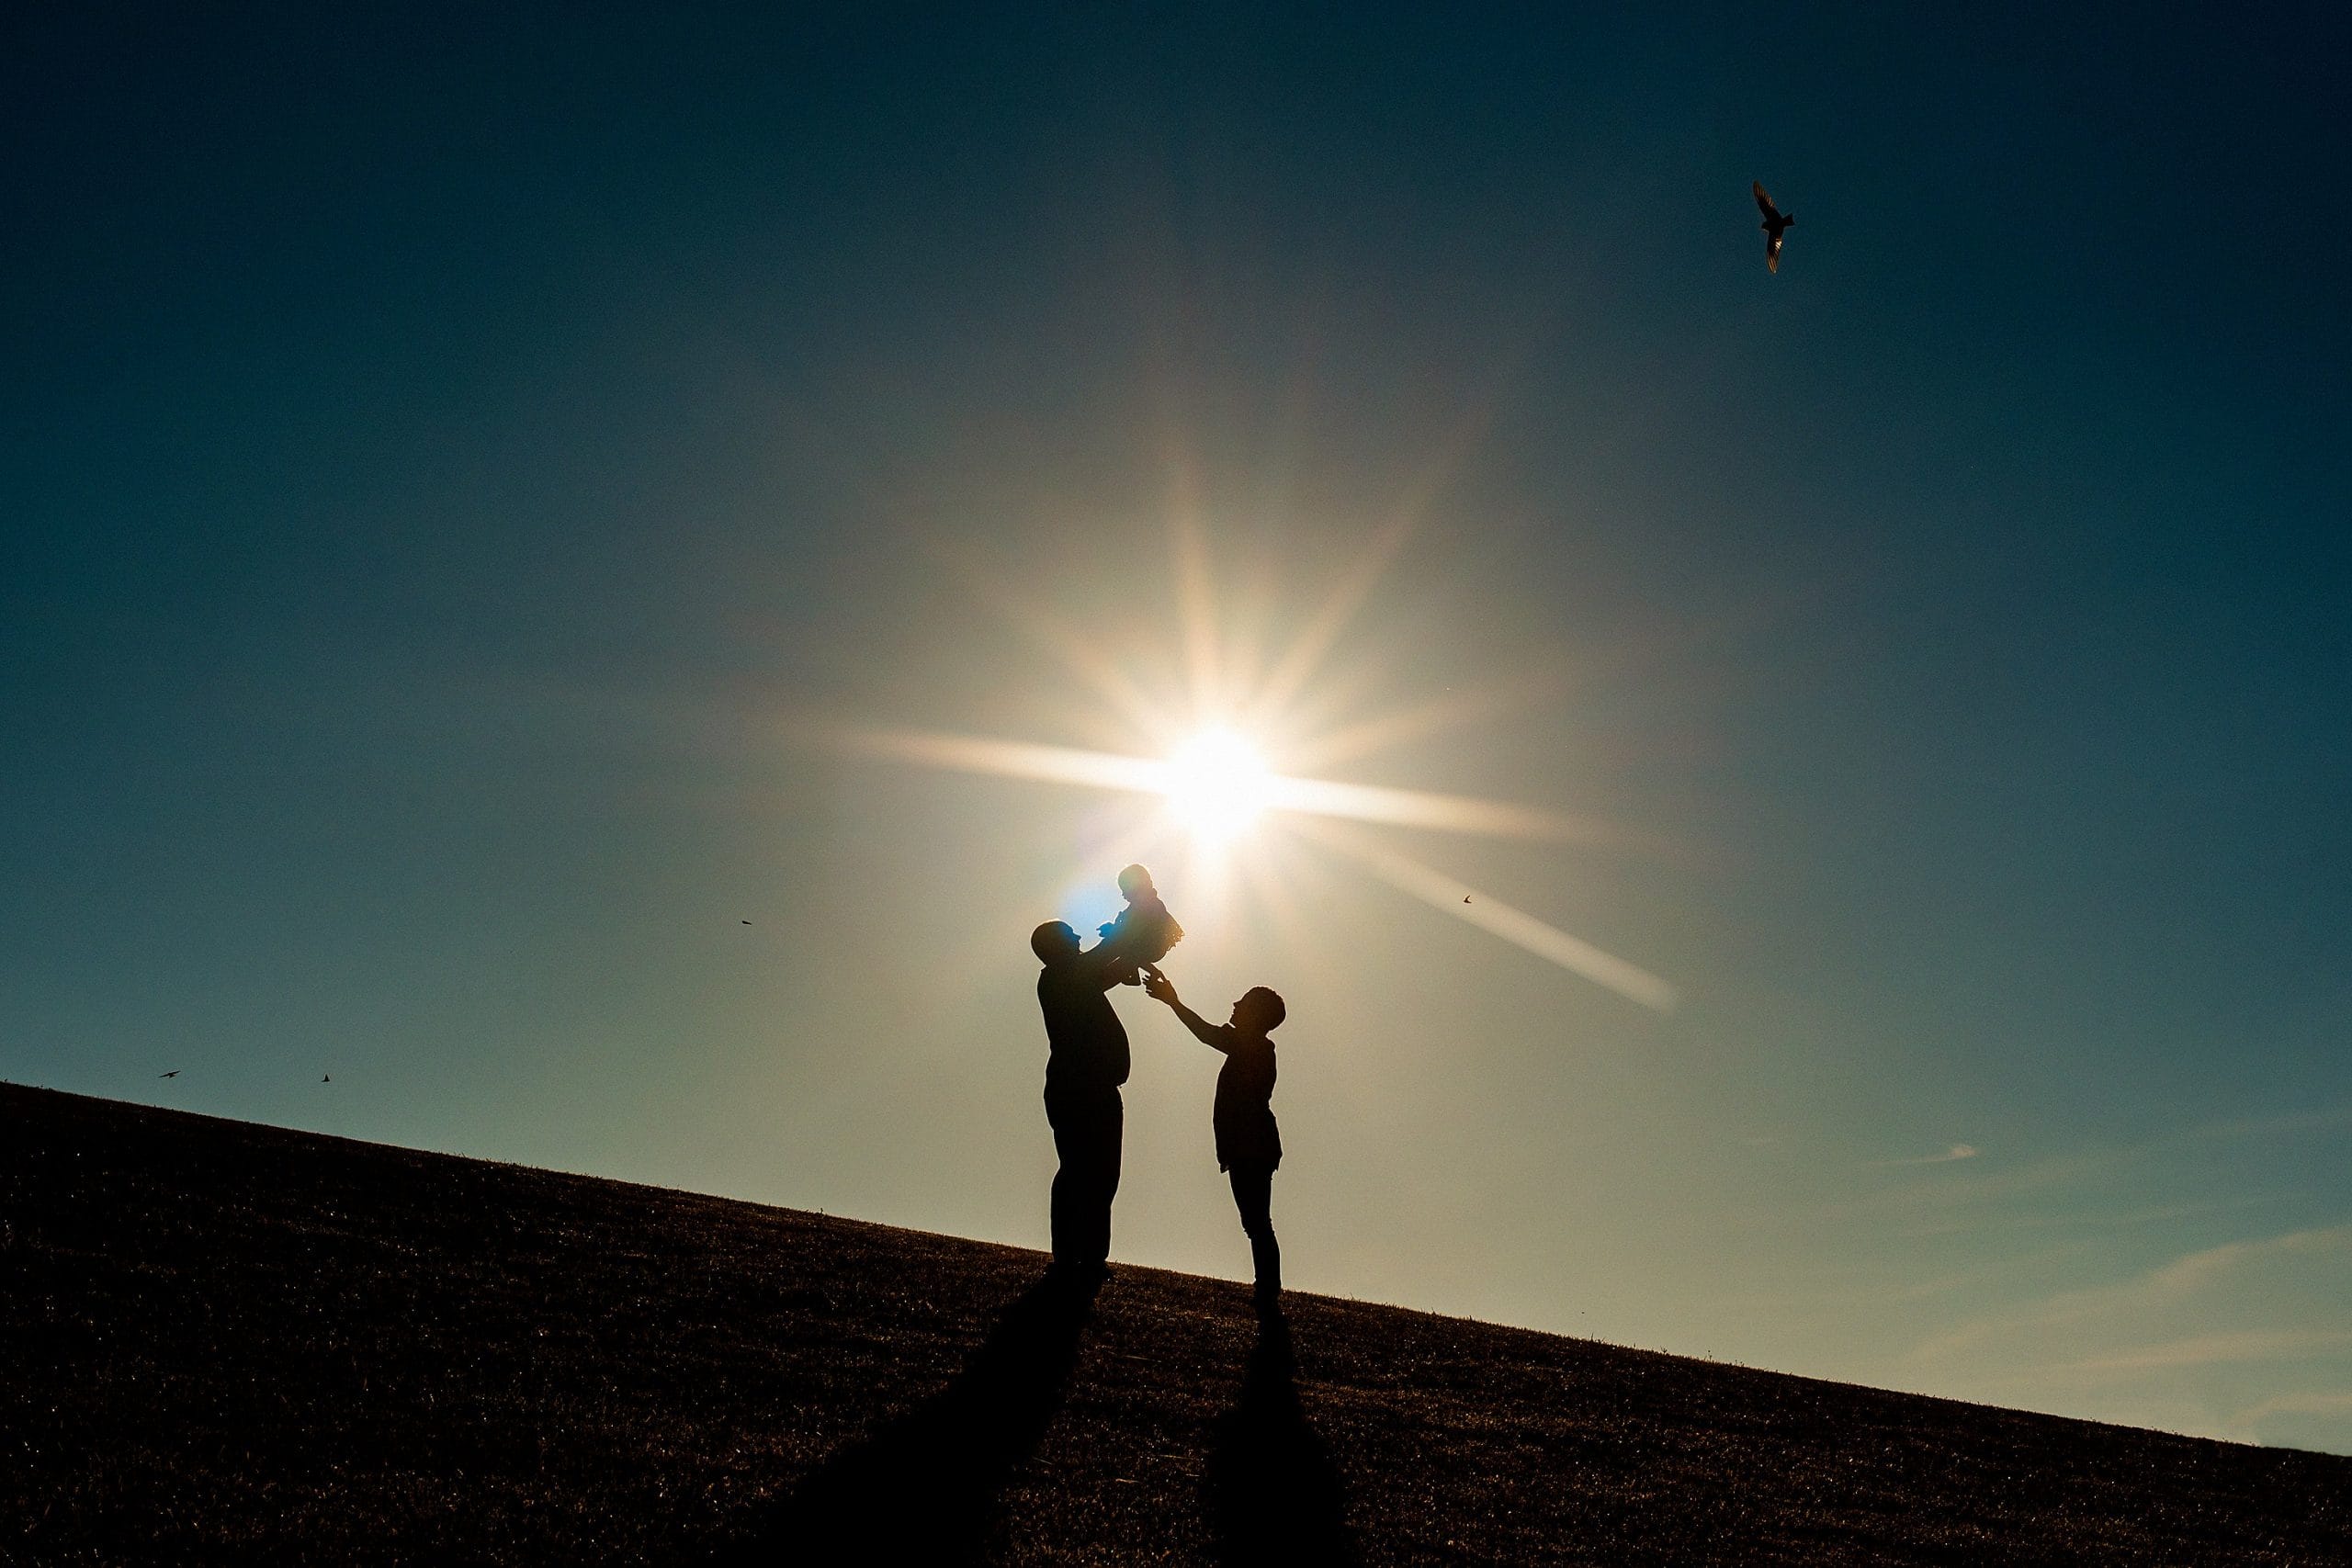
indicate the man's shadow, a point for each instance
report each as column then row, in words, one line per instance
column 1272, row 1494
column 927, row 1486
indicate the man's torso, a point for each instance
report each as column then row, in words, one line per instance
column 1086, row 1043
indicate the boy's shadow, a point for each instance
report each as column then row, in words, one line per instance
column 1272, row 1493
column 925, row 1488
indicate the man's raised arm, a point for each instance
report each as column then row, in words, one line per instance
column 1112, row 957
column 1157, row 987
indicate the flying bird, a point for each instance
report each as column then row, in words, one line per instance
column 1466, row 898
column 747, row 923
column 326, row 1077
column 173, row 1073
column 1776, row 223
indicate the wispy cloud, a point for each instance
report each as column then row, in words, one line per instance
column 2116, row 1168
column 2186, row 1282
column 1958, row 1151
column 2209, row 1349
column 2198, row 1268
column 2213, row 1340
column 2307, row 1404
column 2100, row 1219
column 2271, row 1126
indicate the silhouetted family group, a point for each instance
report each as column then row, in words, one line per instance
column 1088, row 1059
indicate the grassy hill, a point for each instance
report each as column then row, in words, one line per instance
column 221, row 1342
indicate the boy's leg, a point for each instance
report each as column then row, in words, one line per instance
column 1253, row 1193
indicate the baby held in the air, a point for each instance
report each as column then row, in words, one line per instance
column 1145, row 930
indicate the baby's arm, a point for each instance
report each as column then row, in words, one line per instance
column 1115, row 954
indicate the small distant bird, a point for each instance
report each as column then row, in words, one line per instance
column 173, row 1073
column 1776, row 223
column 747, row 923
column 1466, row 898
column 326, row 1077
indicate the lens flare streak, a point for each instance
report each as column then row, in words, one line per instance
column 1306, row 800
column 1012, row 758
column 1278, row 792
column 1514, row 926
column 1420, row 808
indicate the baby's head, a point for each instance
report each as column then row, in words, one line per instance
column 1135, row 883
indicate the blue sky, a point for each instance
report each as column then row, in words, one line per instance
column 462, row 471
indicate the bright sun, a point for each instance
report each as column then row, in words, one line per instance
column 1217, row 784
column 1214, row 787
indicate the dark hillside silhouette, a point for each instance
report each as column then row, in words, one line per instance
column 225, row 1343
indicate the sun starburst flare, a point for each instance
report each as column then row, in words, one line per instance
column 1215, row 783
column 1218, row 787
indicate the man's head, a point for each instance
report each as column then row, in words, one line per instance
column 1260, row 1011
column 1053, row 941
column 1135, row 882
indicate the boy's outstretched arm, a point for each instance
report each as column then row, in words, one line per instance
column 1161, row 989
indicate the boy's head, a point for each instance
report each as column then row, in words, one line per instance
column 1260, row 1011
column 1135, row 882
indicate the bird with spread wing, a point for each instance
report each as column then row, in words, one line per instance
column 1776, row 223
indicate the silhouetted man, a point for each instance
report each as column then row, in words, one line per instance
column 1085, row 1064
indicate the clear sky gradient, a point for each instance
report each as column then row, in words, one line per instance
column 466, row 470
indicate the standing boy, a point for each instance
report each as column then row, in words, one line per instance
column 1249, row 1144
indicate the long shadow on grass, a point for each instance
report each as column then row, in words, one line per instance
column 926, row 1487
column 1272, row 1492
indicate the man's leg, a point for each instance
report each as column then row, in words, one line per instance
column 1107, row 1132
column 1070, row 1202
column 1087, row 1134
column 1064, row 1193
column 1253, row 1194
